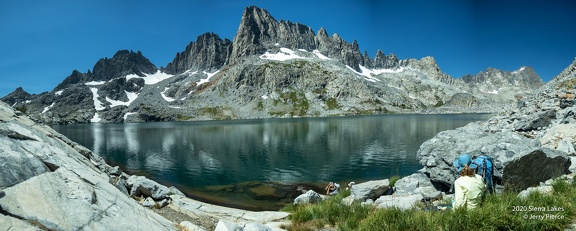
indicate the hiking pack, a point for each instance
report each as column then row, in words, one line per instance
column 482, row 165
column 485, row 168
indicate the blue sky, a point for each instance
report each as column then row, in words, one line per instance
column 41, row 42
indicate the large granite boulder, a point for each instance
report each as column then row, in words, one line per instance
column 309, row 197
column 396, row 201
column 369, row 190
column 417, row 183
column 54, row 184
column 519, row 161
column 561, row 137
column 142, row 186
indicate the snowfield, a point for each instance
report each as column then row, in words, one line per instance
column 283, row 55
column 48, row 108
column 169, row 99
column 97, row 103
column 150, row 79
column 131, row 97
column 96, row 118
column 206, row 80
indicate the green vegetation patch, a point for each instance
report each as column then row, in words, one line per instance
column 439, row 103
column 568, row 84
column 22, row 109
column 297, row 101
column 504, row 211
column 332, row 104
column 214, row 112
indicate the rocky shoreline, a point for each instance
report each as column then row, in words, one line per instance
column 531, row 145
column 49, row 182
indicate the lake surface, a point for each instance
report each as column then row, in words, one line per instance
column 198, row 157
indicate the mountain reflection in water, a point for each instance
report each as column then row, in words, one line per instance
column 196, row 155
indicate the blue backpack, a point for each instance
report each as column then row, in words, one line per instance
column 485, row 168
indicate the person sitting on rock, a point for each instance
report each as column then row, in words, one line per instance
column 332, row 188
column 468, row 189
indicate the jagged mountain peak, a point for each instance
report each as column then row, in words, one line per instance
column 208, row 52
column 259, row 31
column 493, row 78
column 16, row 96
column 234, row 79
column 123, row 63
column 322, row 32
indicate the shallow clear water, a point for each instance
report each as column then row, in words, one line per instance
column 193, row 155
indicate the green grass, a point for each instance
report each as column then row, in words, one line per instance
column 498, row 212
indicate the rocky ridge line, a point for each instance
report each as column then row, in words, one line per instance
column 271, row 69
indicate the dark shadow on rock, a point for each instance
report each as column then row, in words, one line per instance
column 532, row 169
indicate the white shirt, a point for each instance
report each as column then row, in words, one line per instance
column 468, row 191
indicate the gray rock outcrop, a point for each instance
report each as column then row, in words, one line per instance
column 369, row 190
column 310, row 197
column 53, row 183
column 142, row 186
column 529, row 144
column 402, row 202
column 417, row 183
column 209, row 52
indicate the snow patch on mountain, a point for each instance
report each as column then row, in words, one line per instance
column 283, row 55
column 169, row 99
column 207, row 79
column 320, row 55
column 128, row 114
column 150, row 79
column 370, row 73
column 517, row 71
column 131, row 97
column 365, row 72
column 95, row 83
column 48, row 108
column 96, row 118
column 59, row 92
column 97, row 103
column 495, row 92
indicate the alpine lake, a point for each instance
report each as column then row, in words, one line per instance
column 263, row 164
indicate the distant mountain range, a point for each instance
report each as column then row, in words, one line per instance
column 270, row 69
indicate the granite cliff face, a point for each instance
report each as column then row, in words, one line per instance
column 270, row 69
column 209, row 52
